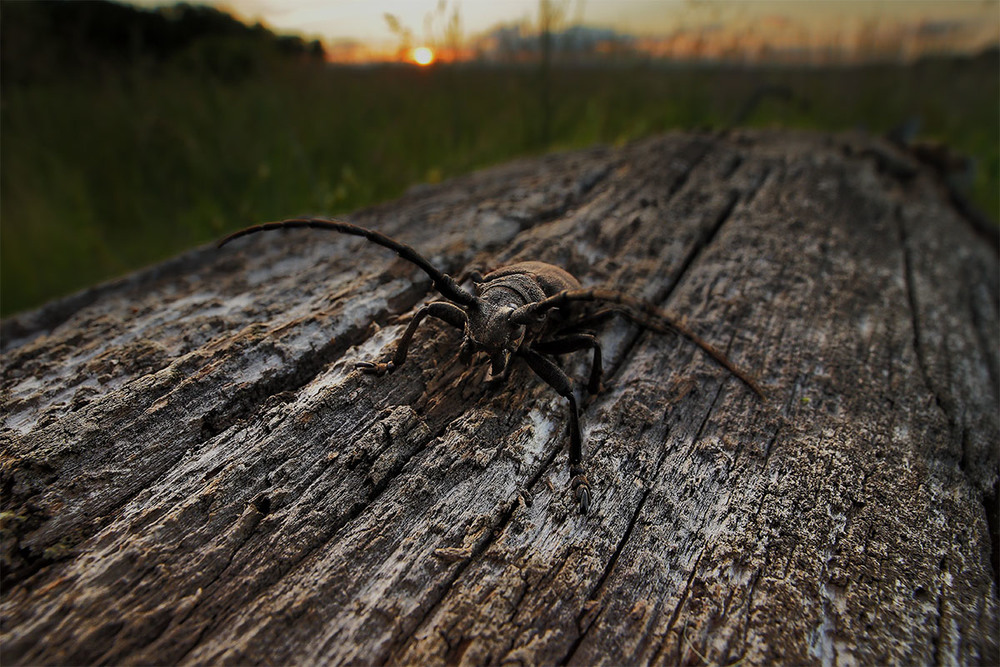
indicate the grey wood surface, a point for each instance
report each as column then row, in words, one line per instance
column 193, row 471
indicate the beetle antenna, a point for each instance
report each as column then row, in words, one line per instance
column 444, row 283
column 641, row 312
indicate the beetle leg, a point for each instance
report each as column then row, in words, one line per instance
column 573, row 343
column 448, row 312
column 591, row 319
column 466, row 352
column 643, row 313
column 496, row 379
column 558, row 380
column 472, row 273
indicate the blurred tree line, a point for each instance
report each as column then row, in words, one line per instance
column 49, row 40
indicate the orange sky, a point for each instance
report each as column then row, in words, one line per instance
column 358, row 30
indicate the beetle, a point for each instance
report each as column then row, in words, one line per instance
column 521, row 310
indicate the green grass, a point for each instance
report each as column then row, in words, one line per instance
column 99, row 179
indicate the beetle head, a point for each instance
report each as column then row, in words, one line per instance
column 491, row 329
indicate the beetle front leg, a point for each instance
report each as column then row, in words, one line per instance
column 558, row 380
column 466, row 352
column 448, row 312
column 573, row 343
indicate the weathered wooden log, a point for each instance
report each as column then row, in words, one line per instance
column 194, row 472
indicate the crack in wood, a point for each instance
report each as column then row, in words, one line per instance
column 919, row 347
column 658, row 654
column 253, row 540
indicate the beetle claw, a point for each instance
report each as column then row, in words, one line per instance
column 584, row 496
column 372, row 368
column 582, row 487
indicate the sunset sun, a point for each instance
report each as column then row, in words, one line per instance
column 423, row 55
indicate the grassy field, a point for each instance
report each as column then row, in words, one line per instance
column 101, row 178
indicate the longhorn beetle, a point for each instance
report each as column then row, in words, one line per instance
column 520, row 310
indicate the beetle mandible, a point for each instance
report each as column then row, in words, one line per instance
column 519, row 310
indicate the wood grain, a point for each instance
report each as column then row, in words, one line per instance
column 193, row 472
